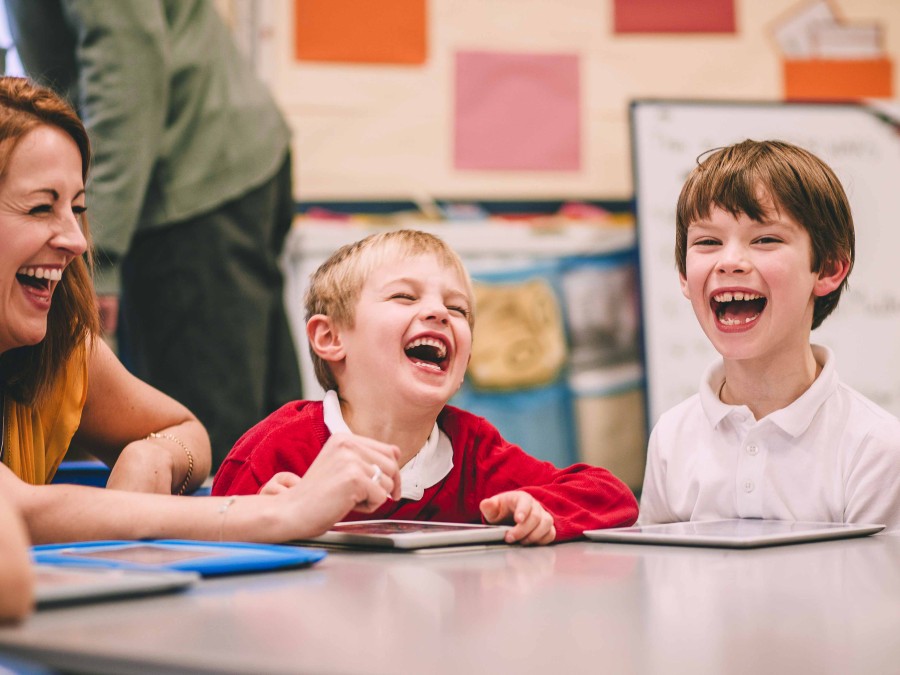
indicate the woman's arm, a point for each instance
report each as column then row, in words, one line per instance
column 121, row 412
column 332, row 487
column 16, row 574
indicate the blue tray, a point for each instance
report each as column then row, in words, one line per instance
column 207, row 558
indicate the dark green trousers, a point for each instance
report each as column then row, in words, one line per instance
column 202, row 312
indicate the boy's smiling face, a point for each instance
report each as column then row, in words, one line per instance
column 751, row 283
column 411, row 336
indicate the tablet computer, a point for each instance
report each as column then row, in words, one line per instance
column 206, row 558
column 57, row 585
column 733, row 533
column 410, row 534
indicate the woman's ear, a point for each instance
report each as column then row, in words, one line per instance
column 324, row 338
column 831, row 276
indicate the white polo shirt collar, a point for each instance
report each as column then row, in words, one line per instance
column 795, row 419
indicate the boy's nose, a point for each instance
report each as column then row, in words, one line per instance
column 733, row 260
column 435, row 311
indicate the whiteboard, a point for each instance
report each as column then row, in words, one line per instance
column 862, row 146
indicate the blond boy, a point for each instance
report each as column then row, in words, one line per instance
column 389, row 324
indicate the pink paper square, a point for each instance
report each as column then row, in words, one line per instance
column 517, row 111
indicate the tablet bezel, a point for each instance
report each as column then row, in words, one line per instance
column 673, row 533
column 428, row 534
column 76, row 585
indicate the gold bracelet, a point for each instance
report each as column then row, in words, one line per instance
column 190, row 456
column 223, row 509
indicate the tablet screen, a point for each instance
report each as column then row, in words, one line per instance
column 401, row 527
column 143, row 554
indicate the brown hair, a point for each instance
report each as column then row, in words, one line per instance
column 334, row 288
column 28, row 372
column 740, row 177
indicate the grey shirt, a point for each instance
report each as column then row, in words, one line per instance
column 178, row 121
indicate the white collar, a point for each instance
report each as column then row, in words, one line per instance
column 427, row 467
column 793, row 419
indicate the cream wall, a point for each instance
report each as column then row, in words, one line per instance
column 380, row 132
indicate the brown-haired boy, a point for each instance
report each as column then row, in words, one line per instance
column 389, row 323
column 764, row 244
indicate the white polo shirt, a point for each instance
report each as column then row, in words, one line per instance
column 831, row 455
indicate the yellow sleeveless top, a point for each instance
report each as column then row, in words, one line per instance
column 36, row 440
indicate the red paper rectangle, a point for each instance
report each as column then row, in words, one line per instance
column 674, row 16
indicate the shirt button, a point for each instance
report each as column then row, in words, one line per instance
column 752, row 449
column 749, row 486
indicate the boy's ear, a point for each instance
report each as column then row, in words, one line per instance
column 831, row 276
column 324, row 338
column 684, row 286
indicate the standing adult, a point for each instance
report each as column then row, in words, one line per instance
column 191, row 197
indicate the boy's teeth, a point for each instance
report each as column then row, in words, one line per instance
column 430, row 342
column 736, row 295
column 734, row 322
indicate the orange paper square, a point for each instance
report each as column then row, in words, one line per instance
column 837, row 79
column 360, row 31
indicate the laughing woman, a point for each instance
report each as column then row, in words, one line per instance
column 61, row 385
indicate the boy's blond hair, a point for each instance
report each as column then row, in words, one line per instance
column 335, row 286
column 738, row 178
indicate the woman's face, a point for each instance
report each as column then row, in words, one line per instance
column 41, row 202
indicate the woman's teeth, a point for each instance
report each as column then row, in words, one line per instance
column 51, row 274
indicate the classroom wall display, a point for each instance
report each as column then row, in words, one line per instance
column 674, row 16
column 390, row 131
column 826, row 57
column 521, row 342
column 861, row 143
column 517, row 111
column 361, row 31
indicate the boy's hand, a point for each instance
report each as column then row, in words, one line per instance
column 532, row 524
column 280, row 482
column 360, row 472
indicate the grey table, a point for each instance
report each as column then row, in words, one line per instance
column 831, row 607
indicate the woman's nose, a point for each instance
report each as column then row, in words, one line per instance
column 69, row 235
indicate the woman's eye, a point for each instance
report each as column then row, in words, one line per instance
column 39, row 209
column 79, row 210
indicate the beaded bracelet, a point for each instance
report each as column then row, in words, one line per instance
column 190, row 456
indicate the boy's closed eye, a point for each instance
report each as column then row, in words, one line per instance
column 462, row 311
column 402, row 296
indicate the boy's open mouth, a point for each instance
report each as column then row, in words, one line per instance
column 428, row 352
column 734, row 308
